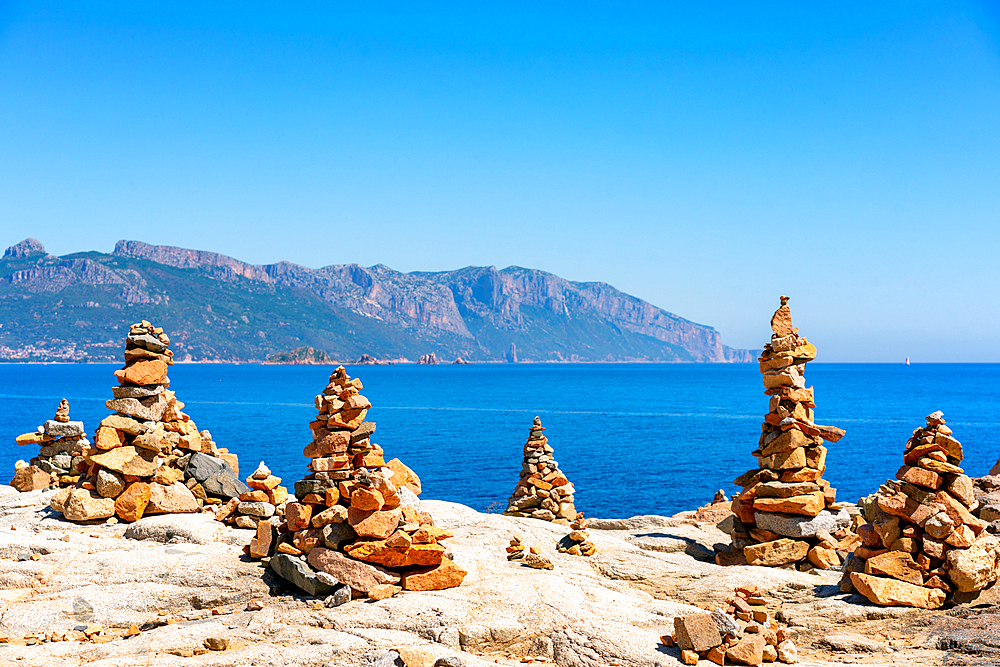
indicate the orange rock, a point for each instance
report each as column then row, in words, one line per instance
column 277, row 496
column 366, row 499
column 445, row 575
column 254, row 497
column 895, row 564
column 332, row 496
column 376, row 551
column 108, row 438
column 297, row 516
column 919, row 476
column 143, row 372
column 373, row 524
column 132, row 502
column 326, row 443
column 893, row 592
column 370, row 459
column 307, row 540
column 403, row 476
column 329, row 463
column 808, row 504
column 264, row 484
column 232, row 460
column 383, row 591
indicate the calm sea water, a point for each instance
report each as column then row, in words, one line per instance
column 634, row 438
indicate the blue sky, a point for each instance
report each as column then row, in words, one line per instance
column 706, row 158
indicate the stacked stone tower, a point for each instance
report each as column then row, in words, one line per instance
column 787, row 513
column 148, row 457
column 355, row 524
column 62, row 443
column 542, row 492
column 923, row 543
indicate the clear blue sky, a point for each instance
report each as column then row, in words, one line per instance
column 705, row 157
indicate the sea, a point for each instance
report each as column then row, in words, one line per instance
column 633, row 438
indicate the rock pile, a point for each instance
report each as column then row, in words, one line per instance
column 148, row 457
column 787, row 513
column 743, row 633
column 576, row 543
column 263, row 500
column 62, row 443
column 923, row 544
column 355, row 523
column 542, row 492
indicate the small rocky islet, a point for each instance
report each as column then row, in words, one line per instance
column 356, row 528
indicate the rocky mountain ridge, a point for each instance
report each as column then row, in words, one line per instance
column 246, row 312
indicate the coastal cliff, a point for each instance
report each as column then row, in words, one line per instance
column 229, row 310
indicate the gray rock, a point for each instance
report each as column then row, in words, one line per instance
column 407, row 498
column 191, row 528
column 256, row 508
column 364, row 431
column 341, row 592
column 794, row 525
column 303, row 487
column 634, row 523
column 56, row 429
column 449, row 661
column 335, row 534
column 202, row 466
column 135, row 391
column 147, row 342
column 244, row 521
column 388, row 659
column 727, row 624
column 299, row 574
column 109, row 484
column 224, row 484
column 148, row 409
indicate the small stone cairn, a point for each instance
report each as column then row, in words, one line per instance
column 62, row 445
column 148, row 457
column 542, row 492
column 787, row 514
column 576, row 543
column 923, row 544
column 744, row 633
column 355, row 526
column 264, row 500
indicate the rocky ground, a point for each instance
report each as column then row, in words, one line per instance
column 181, row 580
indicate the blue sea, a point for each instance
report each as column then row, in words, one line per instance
column 633, row 438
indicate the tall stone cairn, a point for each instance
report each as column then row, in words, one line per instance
column 148, row 457
column 62, row 443
column 787, row 513
column 542, row 492
column 355, row 525
column 923, row 544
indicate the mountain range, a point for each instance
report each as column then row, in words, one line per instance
column 78, row 307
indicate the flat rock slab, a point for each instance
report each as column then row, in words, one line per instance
column 189, row 528
column 794, row 525
column 852, row 643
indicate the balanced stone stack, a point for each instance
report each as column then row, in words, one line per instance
column 744, row 633
column 577, row 542
column 355, row 521
column 148, row 457
column 542, row 492
column 264, row 500
column 923, row 543
column 787, row 514
column 62, row 445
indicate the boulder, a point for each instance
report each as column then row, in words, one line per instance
column 776, row 552
column 356, row 574
column 126, row 460
column 975, row 568
column 796, row 525
column 143, row 372
column 146, row 409
column 696, row 632
column 895, row 564
column 131, row 504
column 84, row 505
column 445, row 575
column 224, row 484
column 892, row 592
column 173, row 499
column 109, row 484
column 202, row 466
column 748, row 651
column 31, row 478
column 298, row 573
column 55, row 429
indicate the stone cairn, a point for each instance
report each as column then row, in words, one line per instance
column 923, row 544
column 355, row 527
column 62, row 445
column 148, row 457
column 743, row 633
column 787, row 514
column 542, row 492
column 576, row 543
column 263, row 500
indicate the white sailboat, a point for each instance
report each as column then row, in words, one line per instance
column 907, row 362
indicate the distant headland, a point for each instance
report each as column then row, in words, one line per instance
column 70, row 309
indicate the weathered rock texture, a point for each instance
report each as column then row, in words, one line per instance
column 148, row 457
column 924, row 544
column 542, row 492
column 787, row 513
column 62, row 443
column 354, row 503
